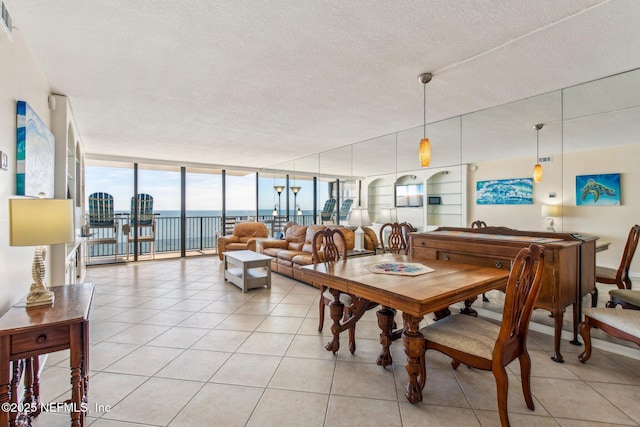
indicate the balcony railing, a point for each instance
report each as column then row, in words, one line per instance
column 202, row 234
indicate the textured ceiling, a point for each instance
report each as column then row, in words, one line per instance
column 254, row 83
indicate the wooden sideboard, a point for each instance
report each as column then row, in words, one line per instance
column 569, row 263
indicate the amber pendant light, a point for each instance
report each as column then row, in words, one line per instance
column 425, row 145
column 537, row 169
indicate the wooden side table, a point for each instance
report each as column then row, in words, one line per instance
column 26, row 334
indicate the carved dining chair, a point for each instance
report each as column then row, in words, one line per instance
column 623, row 324
column 483, row 345
column 398, row 240
column 480, row 224
column 329, row 246
column 624, row 296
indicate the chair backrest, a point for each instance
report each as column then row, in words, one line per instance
column 145, row 210
column 622, row 275
column 101, row 210
column 327, row 210
column 398, row 240
column 326, row 249
column 522, row 290
column 345, row 207
column 478, row 224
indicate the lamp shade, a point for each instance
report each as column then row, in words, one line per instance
column 425, row 152
column 537, row 173
column 295, row 189
column 359, row 217
column 551, row 211
column 35, row 222
column 388, row 215
column 278, row 188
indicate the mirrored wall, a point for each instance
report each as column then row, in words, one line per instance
column 588, row 129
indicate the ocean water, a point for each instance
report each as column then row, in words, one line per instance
column 202, row 230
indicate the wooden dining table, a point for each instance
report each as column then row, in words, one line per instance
column 414, row 295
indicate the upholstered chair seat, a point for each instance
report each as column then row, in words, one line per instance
column 464, row 333
column 344, row 298
column 624, row 320
column 617, row 322
column 630, row 297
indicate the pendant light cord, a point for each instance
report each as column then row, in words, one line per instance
column 424, row 109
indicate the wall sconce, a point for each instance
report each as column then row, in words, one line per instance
column 537, row 169
column 549, row 212
column 425, row 145
column 39, row 222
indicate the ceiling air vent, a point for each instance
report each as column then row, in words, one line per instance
column 545, row 159
column 6, row 20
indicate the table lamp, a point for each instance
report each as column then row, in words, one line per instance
column 388, row 215
column 38, row 222
column 359, row 217
column 549, row 212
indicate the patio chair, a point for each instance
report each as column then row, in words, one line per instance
column 326, row 214
column 146, row 223
column 101, row 226
column 345, row 208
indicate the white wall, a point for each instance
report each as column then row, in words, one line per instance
column 20, row 79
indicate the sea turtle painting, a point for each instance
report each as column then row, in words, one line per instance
column 598, row 189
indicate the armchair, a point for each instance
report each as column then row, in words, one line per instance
column 243, row 238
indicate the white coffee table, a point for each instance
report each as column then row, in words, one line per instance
column 247, row 269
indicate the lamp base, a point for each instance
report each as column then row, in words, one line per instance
column 358, row 245
column 550, row 227
column 39, row 295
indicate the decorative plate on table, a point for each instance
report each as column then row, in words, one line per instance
column 399, row 268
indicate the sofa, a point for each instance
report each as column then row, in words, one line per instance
column 296, row 249
column 244, row 237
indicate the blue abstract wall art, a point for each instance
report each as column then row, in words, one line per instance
column 598, row 190
column 35, row 154
column 516, row 191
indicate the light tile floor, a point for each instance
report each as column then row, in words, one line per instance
column 173, row 344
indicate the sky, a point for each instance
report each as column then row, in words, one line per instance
column 203, row 191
